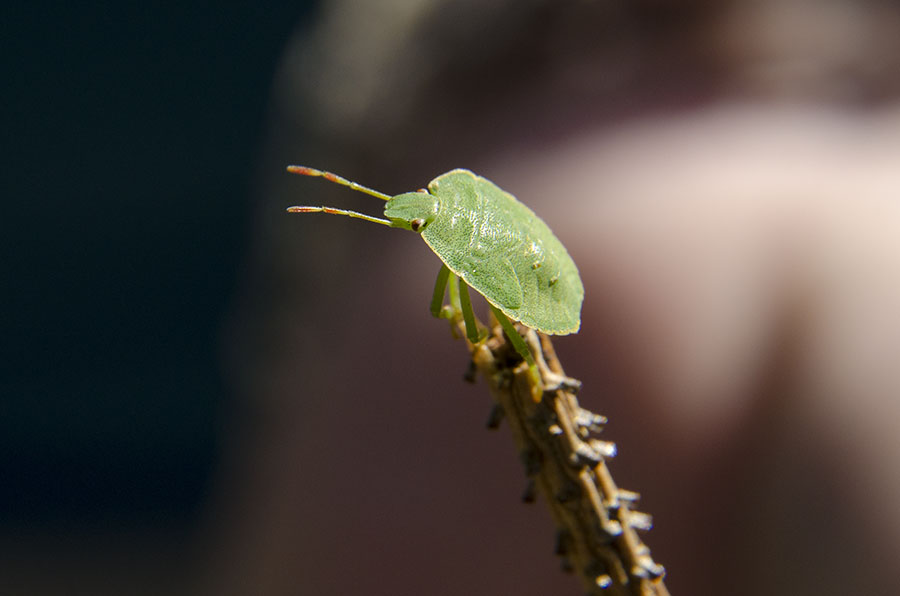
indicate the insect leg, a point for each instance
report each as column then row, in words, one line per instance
column 453, row 290
column 440, row 287
column 468, row 314
column 515, row 338
column 521, row 347
column 450, row 311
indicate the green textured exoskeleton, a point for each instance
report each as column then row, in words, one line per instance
column 490, row 241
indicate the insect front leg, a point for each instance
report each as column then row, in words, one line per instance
column 452, row 311
column 440, row 288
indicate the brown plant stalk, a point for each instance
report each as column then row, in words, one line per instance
column 565, row 463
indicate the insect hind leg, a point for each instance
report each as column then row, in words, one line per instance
column 518, row 342
column 545, row 380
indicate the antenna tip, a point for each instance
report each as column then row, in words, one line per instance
column 302, row 170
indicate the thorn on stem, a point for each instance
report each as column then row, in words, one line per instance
column 495, row 417
column 529, row 495
column 471, row 370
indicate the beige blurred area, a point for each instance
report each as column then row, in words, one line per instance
column 725, row 174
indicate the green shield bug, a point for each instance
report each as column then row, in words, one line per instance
column 487, row 240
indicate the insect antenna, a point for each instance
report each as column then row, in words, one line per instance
column 334, row 211
column 305, row 171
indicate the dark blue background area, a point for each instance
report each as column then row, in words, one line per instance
column 129, row 140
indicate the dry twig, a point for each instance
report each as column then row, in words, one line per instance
column 566, row 464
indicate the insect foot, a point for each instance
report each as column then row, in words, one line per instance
column 495, row 417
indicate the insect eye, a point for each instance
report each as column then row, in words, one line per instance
column 416, row 225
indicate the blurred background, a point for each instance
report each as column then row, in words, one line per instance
column 202, row 394
column 130, row 137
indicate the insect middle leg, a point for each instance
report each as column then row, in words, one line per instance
column 472, row 331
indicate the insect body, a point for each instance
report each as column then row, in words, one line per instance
column 490, row 241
